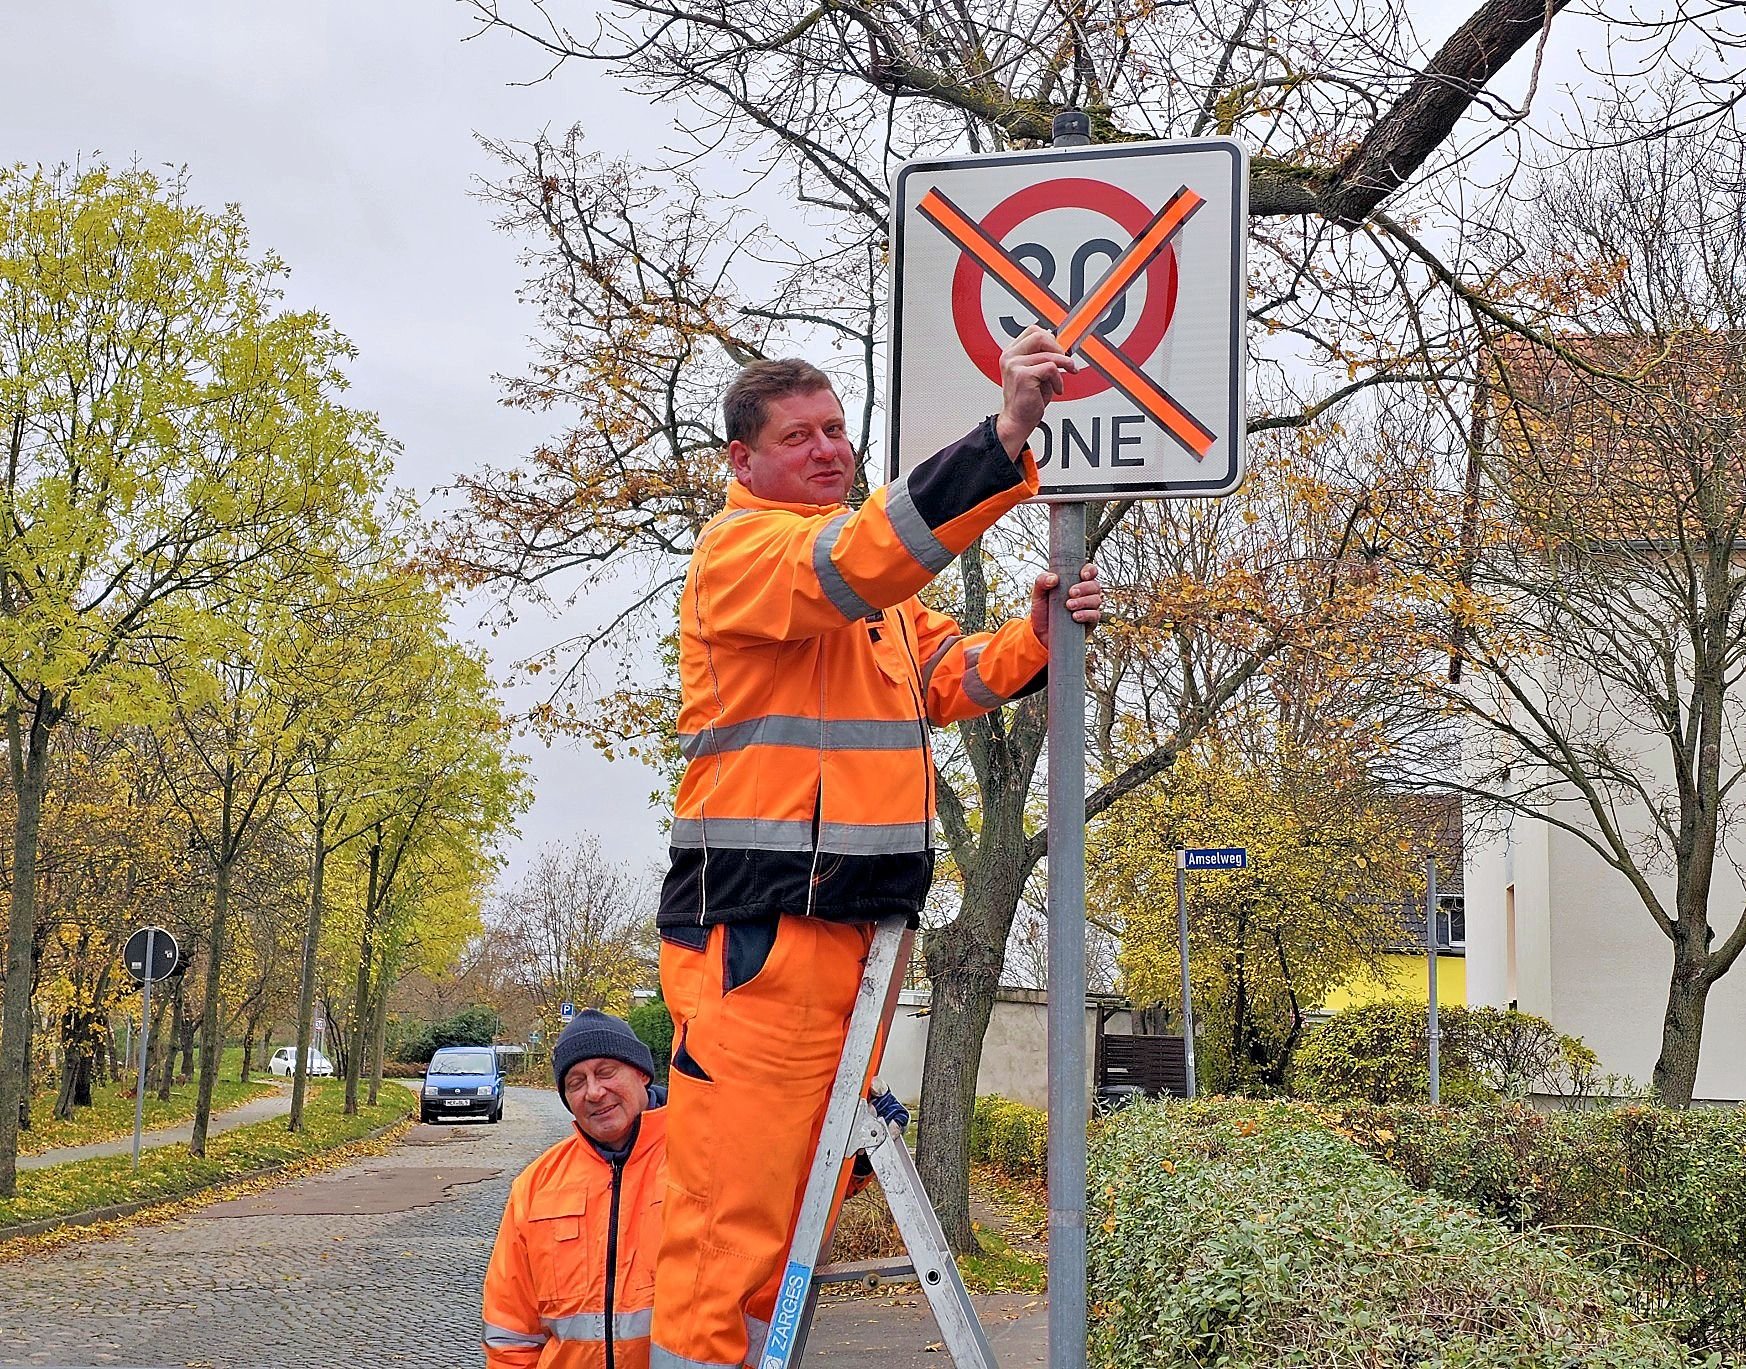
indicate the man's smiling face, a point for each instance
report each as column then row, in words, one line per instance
column 606, row 1097
column 802, row 454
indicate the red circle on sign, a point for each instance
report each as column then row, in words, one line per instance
column 1071, row 193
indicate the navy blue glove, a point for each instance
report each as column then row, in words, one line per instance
column 890, row 1110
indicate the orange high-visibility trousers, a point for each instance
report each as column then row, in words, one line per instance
column 758, row 1031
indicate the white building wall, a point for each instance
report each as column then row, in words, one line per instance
column 1589, row 958
column 1015, row 1053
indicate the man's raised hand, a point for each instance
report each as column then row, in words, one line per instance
column 1033, row 370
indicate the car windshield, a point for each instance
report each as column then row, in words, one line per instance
column 462, row 1062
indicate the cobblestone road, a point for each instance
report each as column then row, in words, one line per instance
column 376, row 1264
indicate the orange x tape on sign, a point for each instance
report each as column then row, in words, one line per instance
column 1073, row 324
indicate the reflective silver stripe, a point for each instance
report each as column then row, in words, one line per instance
column 757, row 1332
column 502, row 1338
column 933, row 662
column 872, row 838
column 974, row 685
column 666, row 1359
column 771, row 834
column 591, row 1326
column 843, row 598
column 912, row 529
column 587, row 1326
column 781, row 729
column 758, row 834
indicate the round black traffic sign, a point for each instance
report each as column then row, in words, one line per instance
column 165, row 954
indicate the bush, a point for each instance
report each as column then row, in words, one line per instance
column 653, row 1024
column 1377, row 1054
column 1239, row 1235
column 475, row 1026
column 1656, row 1197
column 1011, row 1137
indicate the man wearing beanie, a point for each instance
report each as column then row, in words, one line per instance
column 572, row 1276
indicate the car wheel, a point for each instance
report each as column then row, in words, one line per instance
column 497, row 1114
column 425, row 1117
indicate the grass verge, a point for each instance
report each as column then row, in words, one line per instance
column 110, row 1115
column 170, row 1171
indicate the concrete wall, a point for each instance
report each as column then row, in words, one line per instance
column 1015, row 1053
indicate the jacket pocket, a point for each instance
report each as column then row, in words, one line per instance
column 562, row 1255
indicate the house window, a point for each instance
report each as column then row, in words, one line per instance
column 1452, row 912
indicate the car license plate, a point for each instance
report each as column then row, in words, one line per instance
column 456, row 1102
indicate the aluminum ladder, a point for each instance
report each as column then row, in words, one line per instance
column 851, row 1126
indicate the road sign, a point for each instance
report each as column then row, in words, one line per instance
column 567, row 1011
column 1213, row 858
column 1133, row 255
column 151, row 955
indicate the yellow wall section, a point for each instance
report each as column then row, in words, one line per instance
column 1403, row 977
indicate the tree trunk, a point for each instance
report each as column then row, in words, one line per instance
column 964, row 977
column 172, row 1027
column 211, row 1038
column 1682, row 1030
column 378, row 1034
column 187, row 1029
column 964, row 959
column 250, row 1026
column 306, row 975
column 29, row 753
column 361, row 997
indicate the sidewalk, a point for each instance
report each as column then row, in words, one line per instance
column 255, row 1110
column 897, row 1331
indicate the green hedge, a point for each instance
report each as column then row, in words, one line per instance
column 1653, row 1195
column 653, row 1025
column 1377, row 1054
column 1239, row 1234
column 1011, row 1137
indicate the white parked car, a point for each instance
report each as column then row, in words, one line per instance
column 284, row 1062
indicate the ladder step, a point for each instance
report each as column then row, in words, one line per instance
column 872, row 1273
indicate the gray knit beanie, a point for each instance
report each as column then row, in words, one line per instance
column 594, row 1035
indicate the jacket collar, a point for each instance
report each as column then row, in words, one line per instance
column 739, row 497
column 651, row 1135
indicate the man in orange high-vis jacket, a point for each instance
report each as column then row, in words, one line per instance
column 571, row 1279
column 810, row 674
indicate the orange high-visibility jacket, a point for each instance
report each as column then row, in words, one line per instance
column 810, row 674
column 572, row 1275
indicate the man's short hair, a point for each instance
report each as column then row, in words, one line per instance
column 746, row 405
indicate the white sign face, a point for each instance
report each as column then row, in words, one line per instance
column 1133, row 256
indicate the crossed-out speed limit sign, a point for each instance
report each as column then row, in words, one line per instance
column 1132, row 255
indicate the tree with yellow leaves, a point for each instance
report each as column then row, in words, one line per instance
column 1331, row 865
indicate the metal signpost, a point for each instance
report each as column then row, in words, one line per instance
column 151, row 954
column 1196, row 858
column 1133, row 255
column 1433, row 937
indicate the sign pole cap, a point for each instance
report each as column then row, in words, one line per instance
column 1070, row 128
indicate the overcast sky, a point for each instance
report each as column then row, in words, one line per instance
column 345, row 130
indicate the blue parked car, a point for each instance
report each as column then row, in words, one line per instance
column 462, row 1081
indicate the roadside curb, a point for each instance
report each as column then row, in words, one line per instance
column 95, row 1215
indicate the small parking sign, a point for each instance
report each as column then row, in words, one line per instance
column 567, row 1011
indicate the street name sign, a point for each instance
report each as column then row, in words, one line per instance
column 1133, row 255
column 1214, row 858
